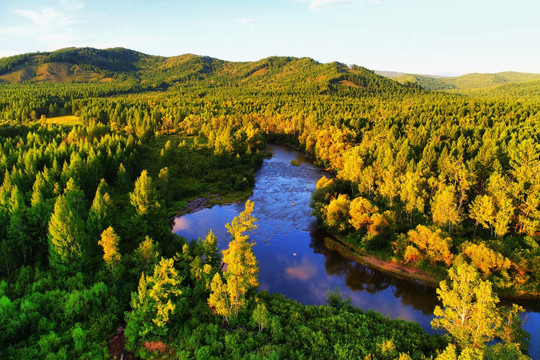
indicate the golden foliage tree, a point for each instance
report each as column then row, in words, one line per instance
column 485, row 259
column 360, row 212
column 444, row 206
column 227, row 295
column 109, row 242
column 425, row 242
column 337, row 212
column 483, row 211
column 155, row 294
column 469, row 312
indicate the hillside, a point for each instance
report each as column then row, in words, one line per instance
column 480, row 82
column 118, row 64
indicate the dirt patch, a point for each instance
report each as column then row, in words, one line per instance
column 260, row 72
column 349, row 83
column 117, row 348
column 158, row 346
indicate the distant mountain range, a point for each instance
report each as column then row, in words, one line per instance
column 462, row 83
column 272, row 73
column 119, row 64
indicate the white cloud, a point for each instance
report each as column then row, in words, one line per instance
column 48, row 18
column 71, row 4
column 53, row 26
column 247, row 22
column 317, row 5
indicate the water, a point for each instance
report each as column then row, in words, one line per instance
column 294, row 261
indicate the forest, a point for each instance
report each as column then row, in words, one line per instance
column 446, row 183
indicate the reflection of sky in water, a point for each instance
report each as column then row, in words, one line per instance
column 292, row 259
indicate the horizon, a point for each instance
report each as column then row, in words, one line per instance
column 384, row 35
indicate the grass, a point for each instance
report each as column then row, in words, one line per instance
column 294, row 163
column 65, row 120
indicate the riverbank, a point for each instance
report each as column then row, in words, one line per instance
column 401, row 271
column 210, row 200
column 389, row 267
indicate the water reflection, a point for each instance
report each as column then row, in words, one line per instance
column 293, row 259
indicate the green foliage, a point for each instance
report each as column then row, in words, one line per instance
column 192, row 127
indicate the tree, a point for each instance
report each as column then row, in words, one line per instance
column 227, row 295
column 360, row 212
column 148, row 253
column 412, row 193
column 431, row 244
column 210, row 249
column 153, row 303
column 337, row 212
column 261, row 316
column 149, row 209
column 485, row 259
column 444, row 206
column 67, row 238
column 483, row 211
column 470, row 308
column 98, row 217
column 109, row 242
column 17, row 229
column 144, row 197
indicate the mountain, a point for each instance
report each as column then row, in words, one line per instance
column 462, row 83
column 119, row 64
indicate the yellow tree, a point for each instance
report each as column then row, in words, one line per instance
column 411, row 192
column 469, row 312
column 352, row 167
column 485, row 259
column 483, row 211
column 156, row 293
column 498, row 187
column 227, row 296
column 428, row 243
column 148, row 251
column 109, row 242
column 337, row 212
column 444, row 207
column 360, row 211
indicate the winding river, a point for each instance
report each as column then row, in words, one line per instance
column 294, row 261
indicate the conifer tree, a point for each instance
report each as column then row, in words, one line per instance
column 66, row 237
column 98, row 217
column 109, row 242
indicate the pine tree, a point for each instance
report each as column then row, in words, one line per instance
column 66, row 237
column 154, row 302
column 99, row 215
column 109, row 242
column 149, row 209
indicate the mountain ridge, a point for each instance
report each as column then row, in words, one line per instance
column 119, row 64
column 471, row 81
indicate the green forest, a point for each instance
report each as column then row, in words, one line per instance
column 100, row 148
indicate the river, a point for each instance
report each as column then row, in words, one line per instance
column 294, row 261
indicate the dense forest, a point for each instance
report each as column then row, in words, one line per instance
column 446, row 183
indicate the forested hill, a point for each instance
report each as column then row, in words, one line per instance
column 470, row 83
column 119, row 64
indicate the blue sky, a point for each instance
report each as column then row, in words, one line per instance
column 417, row 36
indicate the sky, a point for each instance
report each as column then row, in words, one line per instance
column 449, row 37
